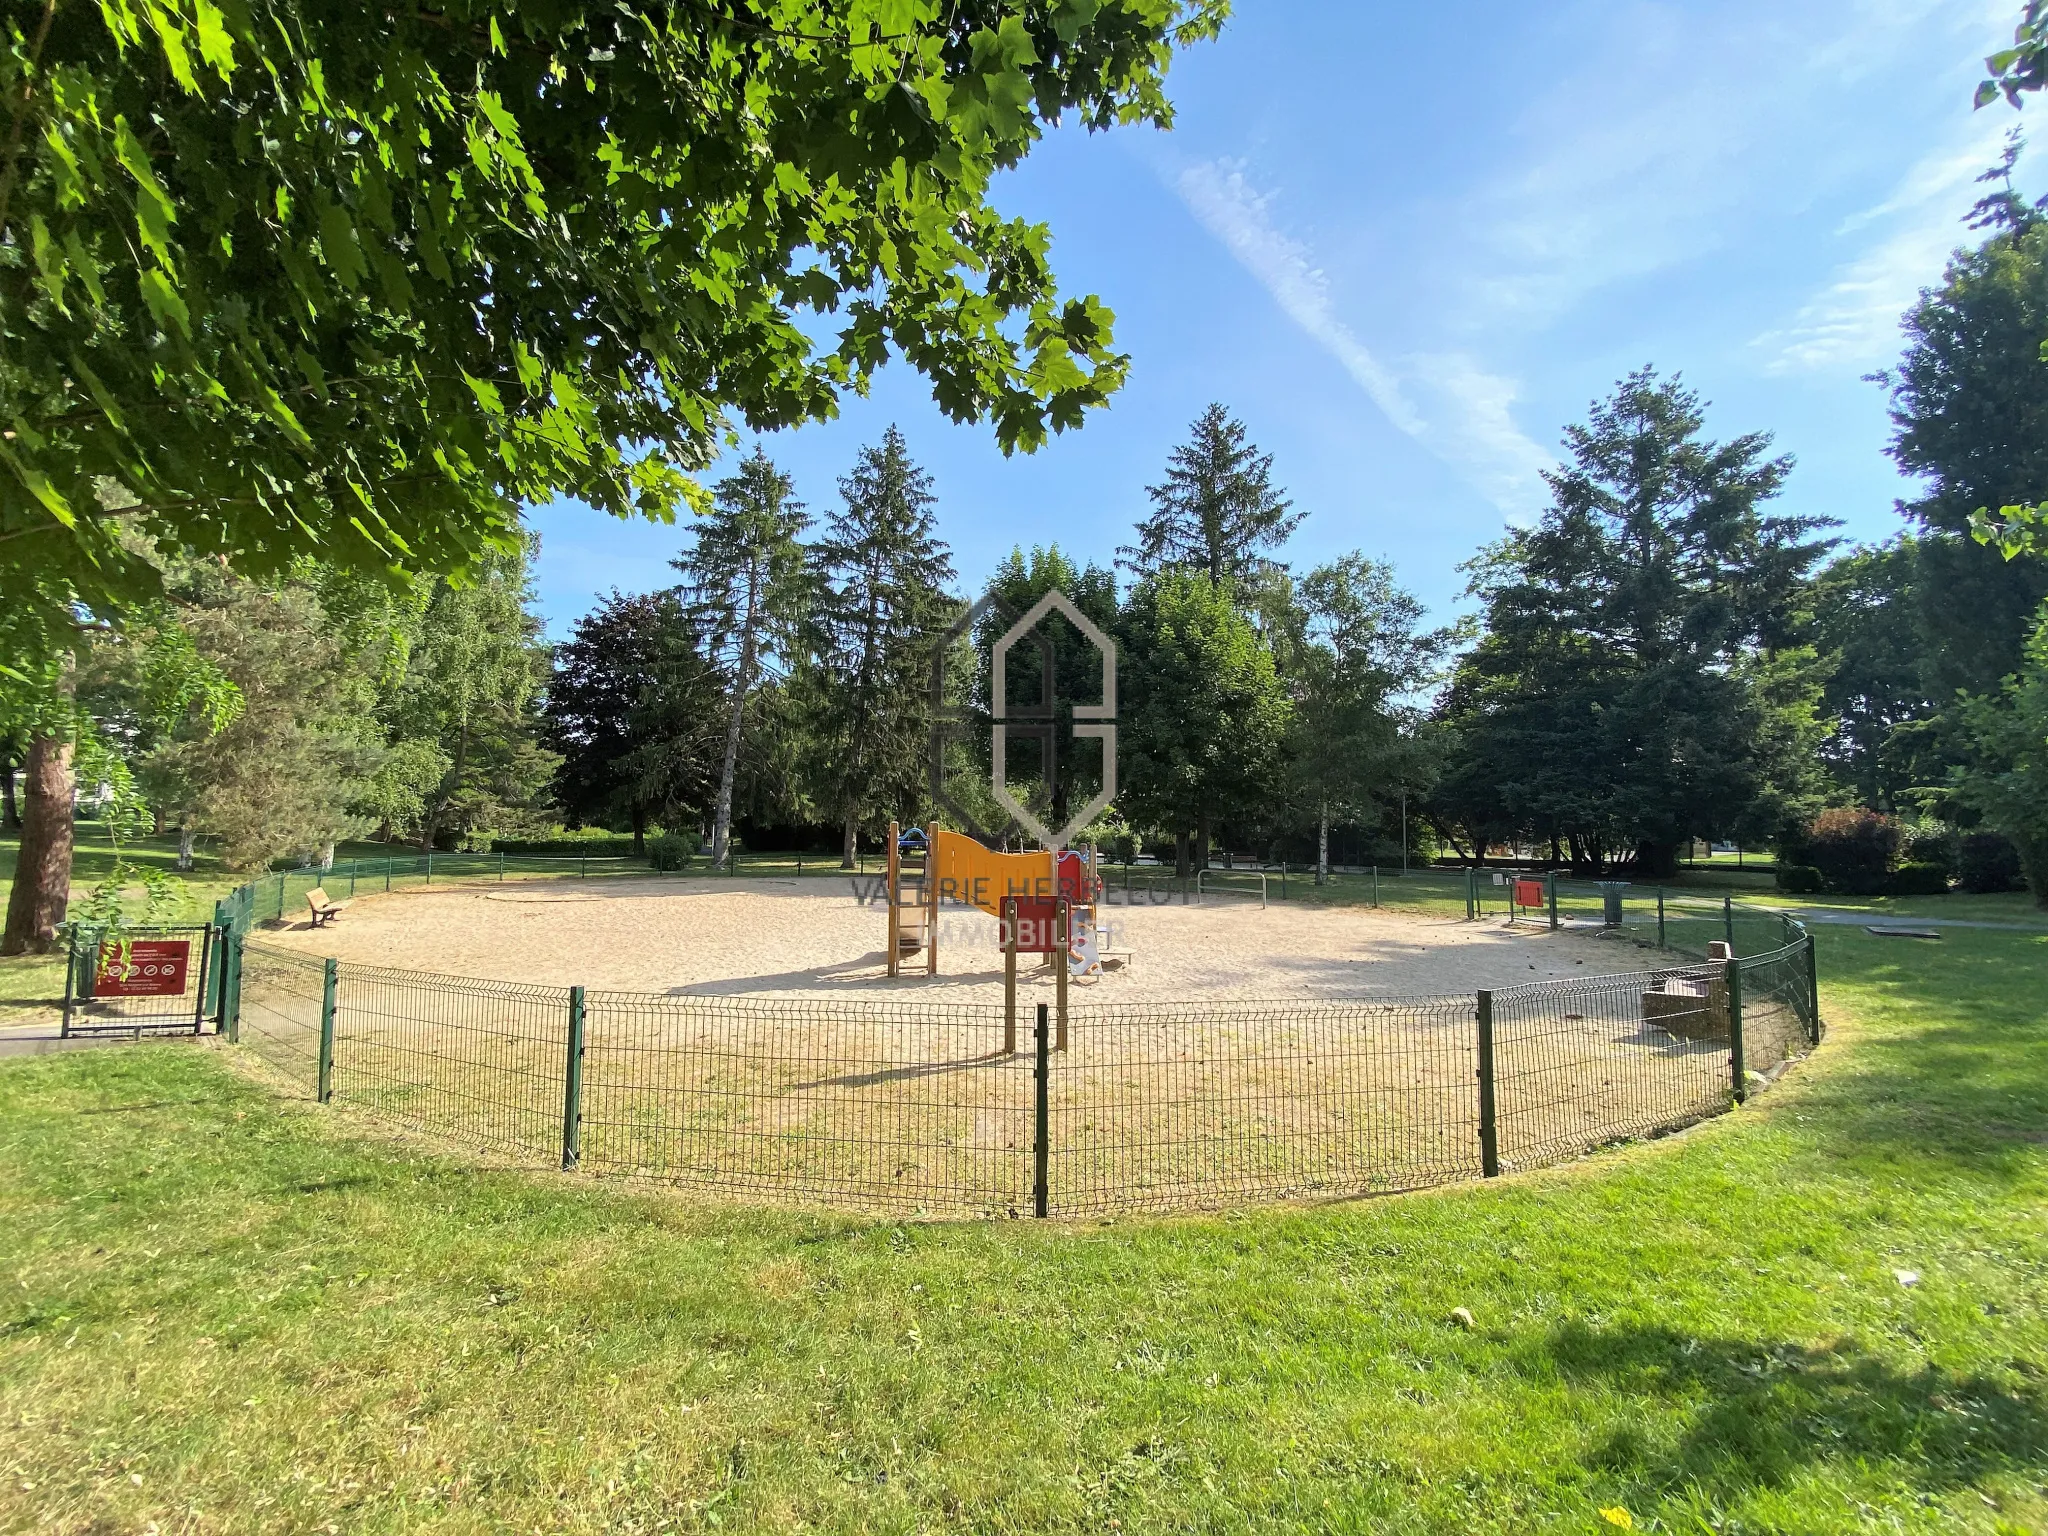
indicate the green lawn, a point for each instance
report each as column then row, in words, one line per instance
column 227, row 1311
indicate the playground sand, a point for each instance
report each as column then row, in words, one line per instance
column 816, row 938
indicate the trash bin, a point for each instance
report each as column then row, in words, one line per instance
column 1610, row 901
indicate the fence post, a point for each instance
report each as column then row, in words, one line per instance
column 1813, row 990
column 430, row 866
column 387, row 874
column 1063, row 944
column 207, row 960
column 1660, row 917
column 583, row 866
column 1041, row 1119
column 1375, row 885
column 572, row 1086
column 1728, row 920
column 327, row 988
column 501, row 866
column 70, row 979
column 1489, row 1128
column 1737, row 1068
column 1471, row 892
column 1283, row 882
column 231, row 988
column 1009, row 975
column 1550, row 883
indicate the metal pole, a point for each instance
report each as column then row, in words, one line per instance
column 1404, row 831
column 1489, row 1128
column 231, row 987
column 1737, row 1069
column 1660, row 917
column 1063, row 938
column 1375, row 885
column 387, row 874
column 1728, row 918
column 572, row 1085
column 1550, row 880
column 1009, row 975
column 501, row 866
column 199, row 992
column 1041, row 1121
column 70, row 980
column 327, row 990
column 1471, row 892
column 1813, row 989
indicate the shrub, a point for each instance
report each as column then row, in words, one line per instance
column 1988, row 862
column 1920, row 880
column 604, row 845
column 1799, row 879
column 1855, row 850
column 1929, row 843
column 672, row 850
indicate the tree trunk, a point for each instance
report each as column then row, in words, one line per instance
column 10, row 813
column 1323, row 843
column 721, row 825
column 1202, row 843
column 156, row 821
column 327, row 854
column 639, row 831
column 185, row 846
column 42, row 870
column 849, row 850
column 1180, row 855
column 1659, row 860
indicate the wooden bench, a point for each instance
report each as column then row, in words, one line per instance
column 323, row 910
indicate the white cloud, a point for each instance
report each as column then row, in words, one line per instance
column 1853, row 321
column 1236, row 213
column 1473, row 427
column 1476, row 430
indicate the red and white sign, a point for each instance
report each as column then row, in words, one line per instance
column 154, row 968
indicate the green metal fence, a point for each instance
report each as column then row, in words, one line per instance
column 914, row 1108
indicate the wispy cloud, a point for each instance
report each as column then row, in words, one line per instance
column 1472, row 424
column 1236, row 213
column 1853, row 320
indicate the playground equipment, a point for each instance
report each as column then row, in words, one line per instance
column 1044, row 902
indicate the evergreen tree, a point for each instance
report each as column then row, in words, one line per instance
column 880, row 603
column 1217, row 511
column 745, row 579
column 1637, row 682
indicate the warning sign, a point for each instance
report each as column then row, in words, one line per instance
column 150, row 968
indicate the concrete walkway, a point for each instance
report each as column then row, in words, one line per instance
column 44, row 1039
column 1836, row 917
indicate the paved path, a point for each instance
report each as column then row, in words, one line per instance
column 1830, row 915
column 41, row 1039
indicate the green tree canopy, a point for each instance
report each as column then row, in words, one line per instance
column 1203, row 714
column 1970, row 412
column 1635, row 685
column 281, row 277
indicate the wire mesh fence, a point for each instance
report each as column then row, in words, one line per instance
column 942, row 1110
column 153, row 980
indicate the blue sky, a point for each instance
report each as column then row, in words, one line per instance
column 1409, row 244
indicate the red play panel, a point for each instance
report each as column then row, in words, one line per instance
column 1528, row 893
column 155, row 968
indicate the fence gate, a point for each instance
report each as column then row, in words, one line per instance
column 148, row 981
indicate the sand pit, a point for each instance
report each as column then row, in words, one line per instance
column 815, row 937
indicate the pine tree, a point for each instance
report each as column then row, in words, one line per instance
column 745, row 579
column 1217, row 511
column 880, row 602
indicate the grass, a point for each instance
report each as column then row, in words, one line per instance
column 229, row 1312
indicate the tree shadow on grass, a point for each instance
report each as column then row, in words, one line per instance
column 1766, row 1411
